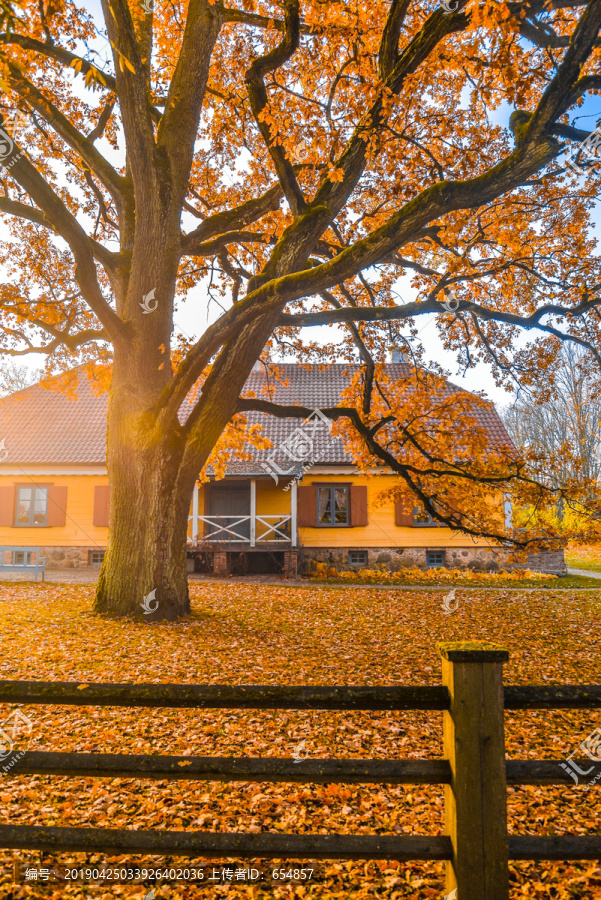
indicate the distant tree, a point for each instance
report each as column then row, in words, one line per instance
column 14, row 377
column 566, row 428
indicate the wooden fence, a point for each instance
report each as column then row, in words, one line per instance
column 475, row 772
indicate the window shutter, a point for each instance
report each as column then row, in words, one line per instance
column 7, row 505
column 401, row 517
column 307, row 506
column 101, row 505
column 358, row 505
column 57, row 505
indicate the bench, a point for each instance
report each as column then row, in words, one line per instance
column 21, row 560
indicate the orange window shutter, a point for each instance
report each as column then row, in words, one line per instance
column 101, row 505
column 358, row 505
column 403, row 517
column 307, row 506
column 7, row 505
column 57, row 506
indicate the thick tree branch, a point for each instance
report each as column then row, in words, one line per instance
column 179, row 125
column 95, row 161
column 553, row 102
column 415, row 308
column 103, row 121
column 82, row 247
column 588, row 83
column 334, row 194
column 214, row 246
column 232, row 219
column 134, row 97
column 300, row 238
column 257, row 93
column 534, row 148
column 257, row 21
column 389, row 46
column 409, row 472
column 24, row 211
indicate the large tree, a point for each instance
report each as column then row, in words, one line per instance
column 288, row 161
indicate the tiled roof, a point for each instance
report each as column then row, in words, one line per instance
column 38, row 425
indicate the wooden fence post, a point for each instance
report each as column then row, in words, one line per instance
column 474, row 744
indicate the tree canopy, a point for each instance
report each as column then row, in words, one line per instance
column 287, row 163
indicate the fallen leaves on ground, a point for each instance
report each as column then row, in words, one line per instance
column 259, row 634
column 428, row 576
column 584, row 555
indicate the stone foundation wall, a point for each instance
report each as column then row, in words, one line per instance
column 478, row 559
column 551, row 562
column 67, row 557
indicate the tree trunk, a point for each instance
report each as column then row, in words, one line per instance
column 144, row 569
column 149, row 507
column 153, row 463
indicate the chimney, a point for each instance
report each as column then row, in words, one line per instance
column 396, row 357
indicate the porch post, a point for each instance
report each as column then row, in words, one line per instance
column 195, row 513
column 293, row 505
column 253, row 511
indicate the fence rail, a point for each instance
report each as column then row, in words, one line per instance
column 318, row 771
column 219, row 696
column 474, row 771
column 271, row 529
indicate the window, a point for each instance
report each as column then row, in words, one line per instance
column 434, row 558
column 95, row 557
column 357, row 557
column 333, row 505
column 22, row 557
column 421, row 517
column 32, row 506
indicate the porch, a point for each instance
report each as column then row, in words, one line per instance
column 239, row 514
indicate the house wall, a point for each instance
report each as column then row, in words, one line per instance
column 387, row 544
column 67, row 545
column 381, row 530
column 396, row 547
column 272, row 500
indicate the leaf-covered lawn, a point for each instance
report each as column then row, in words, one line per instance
column 285, row 635
column 584, row 556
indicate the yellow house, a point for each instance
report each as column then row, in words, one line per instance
column 300, row 502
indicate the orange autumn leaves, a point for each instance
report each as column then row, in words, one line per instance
column 264, row 634
column 392, row 103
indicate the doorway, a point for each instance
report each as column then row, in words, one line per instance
column 230, row 501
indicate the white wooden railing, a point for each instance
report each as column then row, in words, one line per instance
column 234, row 530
